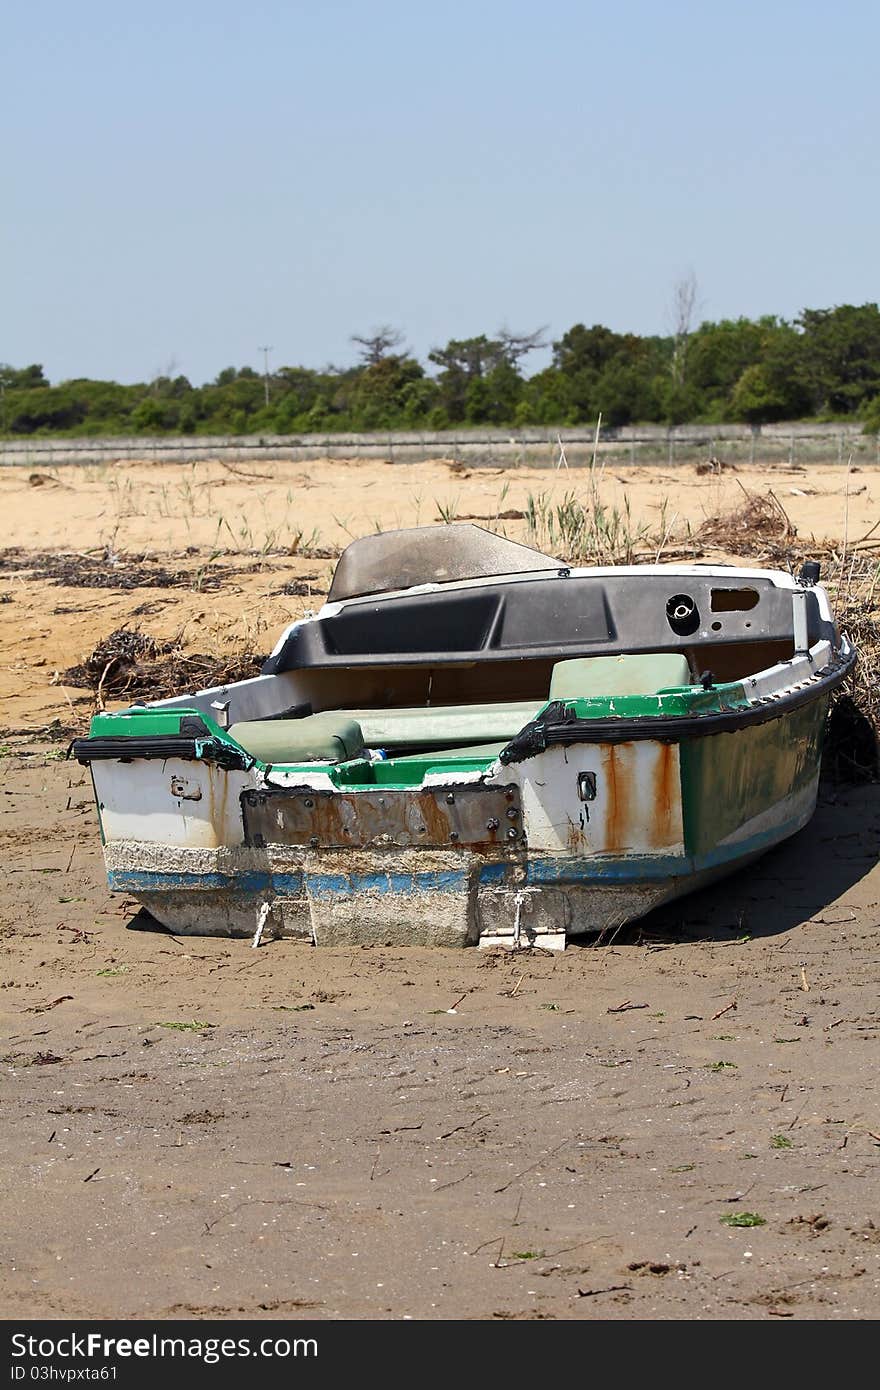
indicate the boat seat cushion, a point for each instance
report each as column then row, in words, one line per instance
column 443, row 725
column 637, row 674
column 328, row 738
column 442, row 755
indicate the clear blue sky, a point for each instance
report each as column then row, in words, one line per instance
column 184, row 182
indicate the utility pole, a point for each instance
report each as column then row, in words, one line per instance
column 265, row 351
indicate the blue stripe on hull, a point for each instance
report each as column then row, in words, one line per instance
column 351, row 885
column 549, row 871
column 287, row 885
column 249, row 884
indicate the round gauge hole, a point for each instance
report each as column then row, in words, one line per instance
column 682, row 614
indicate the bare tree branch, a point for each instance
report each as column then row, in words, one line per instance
column 517, row 345
column 685, row 300
column 377, row 345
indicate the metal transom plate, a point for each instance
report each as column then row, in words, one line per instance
column 470, row 816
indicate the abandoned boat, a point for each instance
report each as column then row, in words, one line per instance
column 471, row 743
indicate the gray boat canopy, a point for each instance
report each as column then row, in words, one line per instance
column 429, row 555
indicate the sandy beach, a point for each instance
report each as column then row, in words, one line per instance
column 680, row 1123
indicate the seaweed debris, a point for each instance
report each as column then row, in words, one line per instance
column 851, row 736
column 131, row 664
column 760, row 528
column 112, row 569
column 850, row 752
column 302, row 587
column 108, row 570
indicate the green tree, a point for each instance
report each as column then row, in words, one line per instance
column 841, row 356
column 22, row 378
column 493, row 399
column 609, row 372
column 579, row 356
column 545, row 400
column 462, row 362
column 718, row 354
column 379, row 394
column 752, row 370
column 755, row 399
column 625, row 392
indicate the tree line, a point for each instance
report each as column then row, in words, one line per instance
column 825, row 364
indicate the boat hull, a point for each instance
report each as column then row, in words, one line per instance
column 660, row 819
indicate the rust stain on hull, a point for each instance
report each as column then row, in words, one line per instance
column 619, row 790
column 642, row 795
column 666, row 794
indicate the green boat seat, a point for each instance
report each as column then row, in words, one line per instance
column 636, row 674
column 443, row 725
column 440, row 755
column 330, row 737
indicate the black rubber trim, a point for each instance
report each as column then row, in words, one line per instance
column 558, row 725
column 89, row 750
column 194, row 724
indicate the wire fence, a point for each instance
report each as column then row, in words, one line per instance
column 791, row 445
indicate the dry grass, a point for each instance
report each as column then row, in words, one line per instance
column 583, row 533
